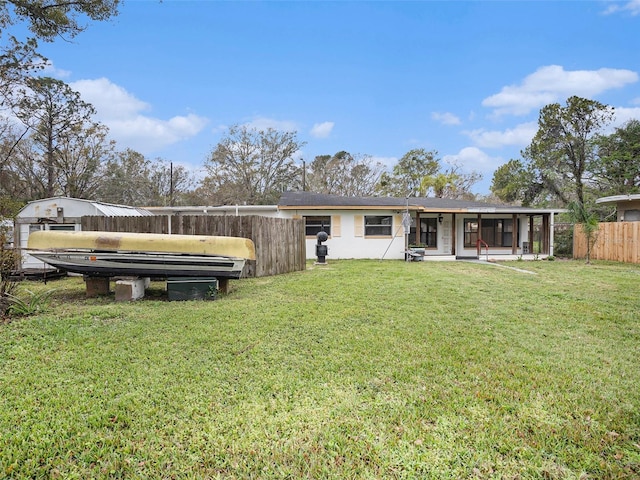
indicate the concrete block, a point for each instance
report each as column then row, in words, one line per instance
column 127, row 290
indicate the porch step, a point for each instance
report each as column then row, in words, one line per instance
column 471, row 257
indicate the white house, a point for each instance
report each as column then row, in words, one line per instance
column 358, row 227
column 383, row 227
column 372, row 227
column 61, row 213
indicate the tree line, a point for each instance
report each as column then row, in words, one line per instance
column 51, row 145
column 56, row 149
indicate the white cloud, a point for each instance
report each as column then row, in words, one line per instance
column 264, row 123
column 147, row 134
column 473, row 159
column 446, row 118
column 632, row 6
column 624, row 114
column 121, row 112
column 110, row 100
column 551, row 83
column 520, row 135
column 322, row 130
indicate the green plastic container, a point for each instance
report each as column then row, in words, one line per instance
column 187, row 288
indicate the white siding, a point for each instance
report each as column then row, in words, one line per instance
column 349, row 240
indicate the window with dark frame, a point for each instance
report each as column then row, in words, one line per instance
column 429, row 232
column 496, row 232
column 314, row 224
column 470, row 232
column 378, row 225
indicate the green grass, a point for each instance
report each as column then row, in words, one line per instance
column 360, row 369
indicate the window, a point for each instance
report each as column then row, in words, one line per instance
column 313, row 225
column 496, row 232
column 377, row 226
column 65, row 227
column 429, row 232
column 631, row 215
column 470, row 232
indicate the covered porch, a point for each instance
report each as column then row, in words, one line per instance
column 486, row 235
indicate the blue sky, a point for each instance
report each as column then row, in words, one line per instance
column 465, row 78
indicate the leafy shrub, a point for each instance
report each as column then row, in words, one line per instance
column 7, row 288
column 34, row 303
column 8, row 259
column 563, row 241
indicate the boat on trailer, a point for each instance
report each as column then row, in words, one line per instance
column 112, row 254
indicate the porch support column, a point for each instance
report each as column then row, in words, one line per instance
column 530, row 234
column 551, row 232
column 514, row 234
column 545, row 233
column 454, row 237
column 418, row 232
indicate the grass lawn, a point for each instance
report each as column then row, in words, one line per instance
column 359, row 369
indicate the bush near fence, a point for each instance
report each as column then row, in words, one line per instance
column 280, row 243
column 563, row 239
column 615, row 241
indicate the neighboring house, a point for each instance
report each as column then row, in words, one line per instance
column 627, row 206
column 372, row 227
column 61, row 213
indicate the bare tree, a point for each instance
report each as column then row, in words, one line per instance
column 130, row 178
column 252, row 166
column 344, row 174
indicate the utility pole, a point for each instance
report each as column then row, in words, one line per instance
column 171, row 184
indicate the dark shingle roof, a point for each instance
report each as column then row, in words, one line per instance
column 310, row 199
column 314, row 200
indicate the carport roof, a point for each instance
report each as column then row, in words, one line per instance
column 619, row 198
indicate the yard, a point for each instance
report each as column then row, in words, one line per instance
column 358, row 369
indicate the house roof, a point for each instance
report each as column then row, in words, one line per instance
column 319, row 201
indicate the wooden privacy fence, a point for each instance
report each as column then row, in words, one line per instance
column 280, row 243
column 615, row 241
